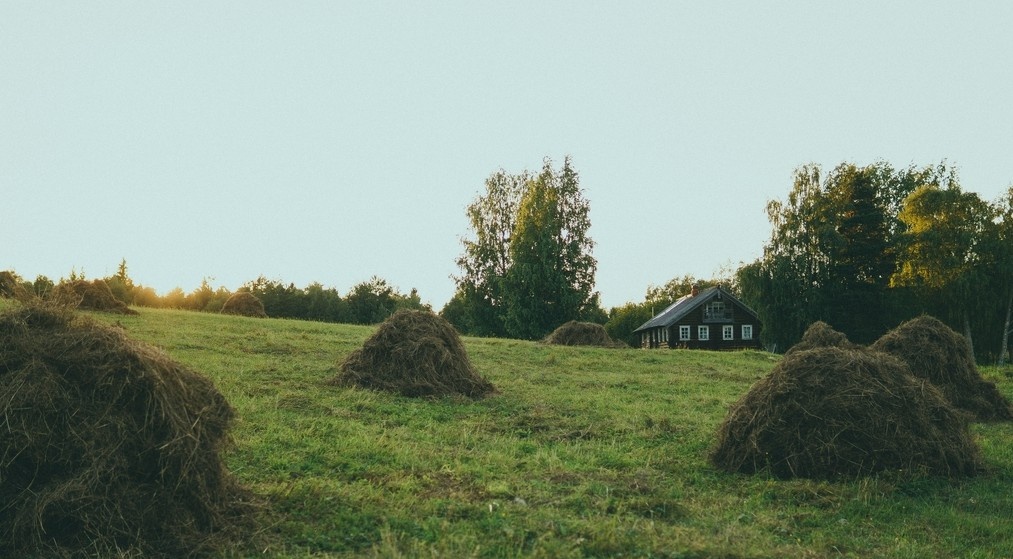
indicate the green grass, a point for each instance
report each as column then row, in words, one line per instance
column 584, row 453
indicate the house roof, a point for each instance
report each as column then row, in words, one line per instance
column 685, row 305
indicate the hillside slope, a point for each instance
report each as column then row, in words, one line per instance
column 585, row 452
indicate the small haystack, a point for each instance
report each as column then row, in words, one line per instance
column 107, row 446
column 414, row 353
column 933, row 351
column 11, row 288
column 821, row 334
column 244, row 303
column 581, row 333
column 89, row 295
column 838, row 413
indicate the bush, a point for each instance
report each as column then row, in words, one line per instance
column 11, row 287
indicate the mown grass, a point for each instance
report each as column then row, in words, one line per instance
column 584, row 453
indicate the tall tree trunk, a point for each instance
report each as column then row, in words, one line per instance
column 967, row 332
column 1006, row 331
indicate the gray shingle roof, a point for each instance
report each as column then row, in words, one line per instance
column 686, row 305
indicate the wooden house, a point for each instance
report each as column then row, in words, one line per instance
column 709, row 318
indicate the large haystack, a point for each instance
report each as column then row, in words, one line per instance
column 821, row 334
column 839, row 413
column 244, row 303
column 932, row 350
column 107, row 446
column 89, row 295
column 414, row 353
column 581, row 333
column 11, row 288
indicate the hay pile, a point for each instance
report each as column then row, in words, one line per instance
column 414, row 353
column 933, row 351
column 821, row 334
column 244, row 303
column 11, row 288
column 581, row 333
column 831, row 412
column 89, row 295
column 107, row 446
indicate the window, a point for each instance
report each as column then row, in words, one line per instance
column 727, row 332
column 703, row 333
column 684, row 332
column 747, row 331
column 717, row 311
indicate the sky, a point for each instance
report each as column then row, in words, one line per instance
column 333, row 141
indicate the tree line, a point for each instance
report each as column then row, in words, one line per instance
column 367, row 302
column 864, row 248
column 859, row 247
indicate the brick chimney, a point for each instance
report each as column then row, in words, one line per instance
column 693, row 291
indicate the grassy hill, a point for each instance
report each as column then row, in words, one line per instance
column 584, row 453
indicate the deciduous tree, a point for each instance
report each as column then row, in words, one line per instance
column 943, row 249
column 529, row 267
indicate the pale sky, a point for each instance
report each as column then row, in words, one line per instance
column 332, row 141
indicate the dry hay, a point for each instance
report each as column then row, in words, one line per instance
column 414, row 353
column 821, row 334
column 89, row 295
column 932, row 350
column 581, row 333
column 831, row 413
column 11, row 288
column 244, row 303
column 107, row 446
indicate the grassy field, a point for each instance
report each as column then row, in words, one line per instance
column 584, row 453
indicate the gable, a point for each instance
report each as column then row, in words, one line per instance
column 715, row 303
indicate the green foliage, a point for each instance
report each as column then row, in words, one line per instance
column 943, row 254
column 832, row 252
column 535, row 287
column 280, row 300
column 146, row 297
column 676, row 288
column 1002, row 269
column 624, row 320
column 41, row 286
column 371, row 302
column 486, row 258
column 585, row 453
column 206, row 298
column 324, row 303
column 529, row 267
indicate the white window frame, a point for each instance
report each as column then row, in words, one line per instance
column 703, row 333
column 727, row 332
column 685, row 333
column 747, row 331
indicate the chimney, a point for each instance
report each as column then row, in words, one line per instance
column 694, row 290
